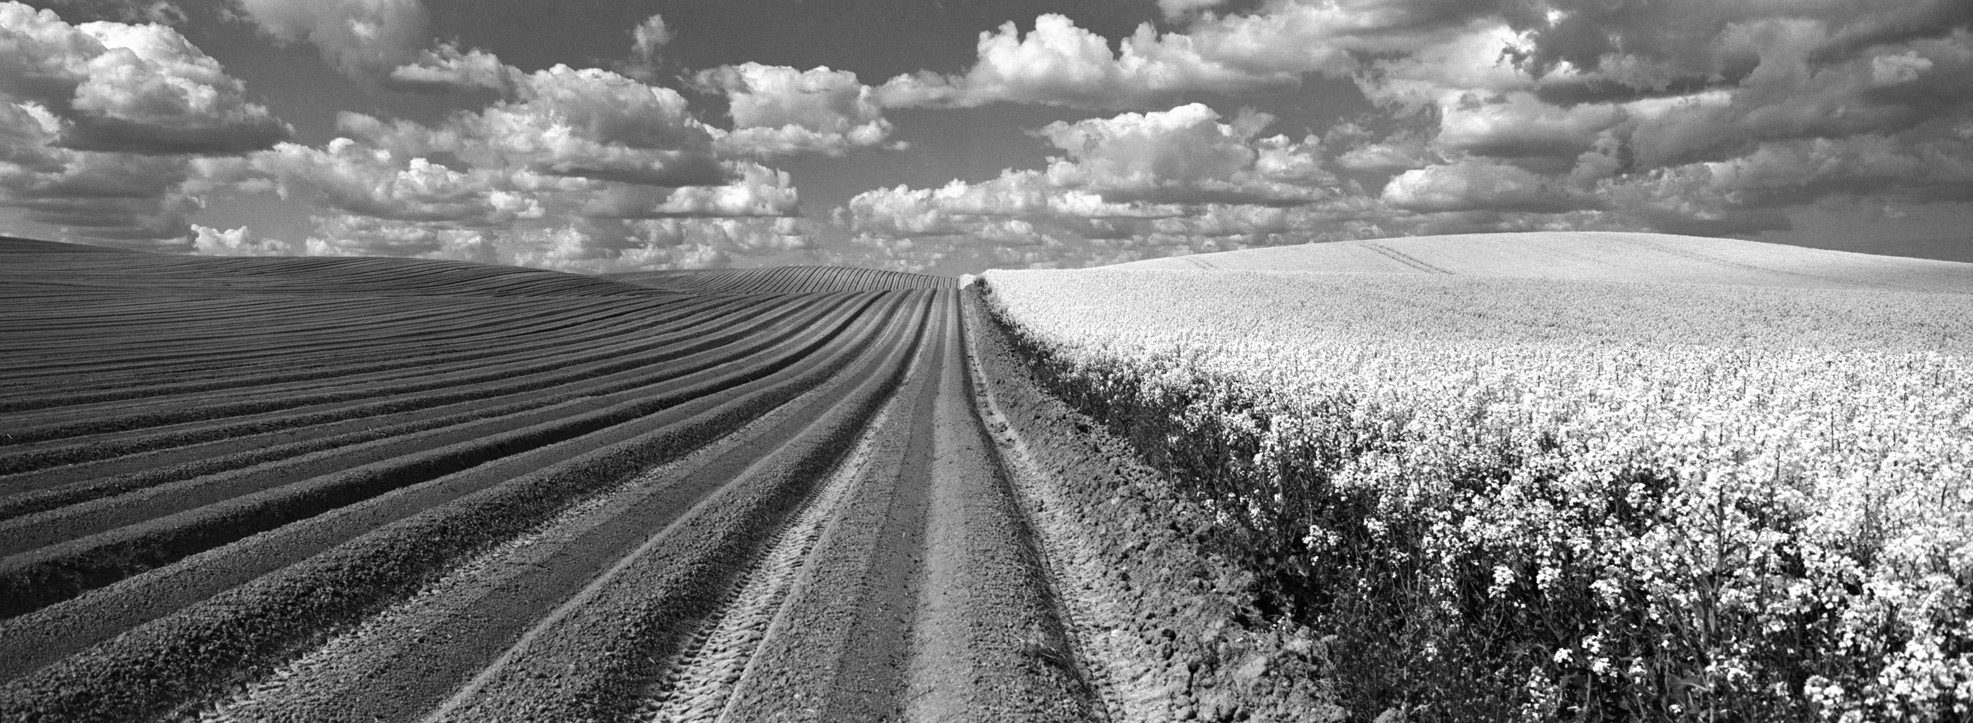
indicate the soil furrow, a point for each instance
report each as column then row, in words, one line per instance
column 509, row 342
column 593, row 656
column 699, row 685
column 487, row 431
column 96, row 440
column 457, row 625
column 58, row 423
column 47, row 635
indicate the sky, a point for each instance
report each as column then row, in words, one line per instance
column 951, row 136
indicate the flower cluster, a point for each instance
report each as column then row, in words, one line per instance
column 1547, row 499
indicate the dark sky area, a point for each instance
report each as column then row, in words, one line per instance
column 953, row 136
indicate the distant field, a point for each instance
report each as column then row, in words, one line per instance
column 1627, row 475
column 783, row 279
column 1595, row 256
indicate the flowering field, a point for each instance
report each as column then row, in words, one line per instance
column 1544, row 498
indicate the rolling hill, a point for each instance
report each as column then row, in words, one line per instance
column 1594, row 256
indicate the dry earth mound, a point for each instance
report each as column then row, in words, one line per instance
column 1594, row 256
column 782, row 280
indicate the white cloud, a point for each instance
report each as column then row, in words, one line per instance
column 779, row 111
column 755, row 191
column 127, row 88
column 584, row 123
column 1179, row 174
column 1185, row 155
column 574, row 169
column 1475, row 184
column 1400, row 152
column 350, row 177
column 587, row 123
column 1496, row 115
column 448, row 70
column 361, row 38
column 1058, row 63
column 1903, row 67
column 1179, row 9
column 649, row 37
column 1518, row 125
column 236, row 242
column 100, row 124
column 585, row 247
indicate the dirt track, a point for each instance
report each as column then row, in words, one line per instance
column 534, row 502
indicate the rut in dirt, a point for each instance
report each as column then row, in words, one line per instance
column 453, row 492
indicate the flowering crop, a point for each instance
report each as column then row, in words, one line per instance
column 1536, row 498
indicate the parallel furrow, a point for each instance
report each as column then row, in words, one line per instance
column 427, row 646
column 252, row 626
column 97, row 438
column 60, row 570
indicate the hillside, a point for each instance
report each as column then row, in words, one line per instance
column 781, row 280
column 1595, row 256
column 47, row 267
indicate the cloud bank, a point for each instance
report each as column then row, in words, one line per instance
column 1692, row 116
column 103, row 124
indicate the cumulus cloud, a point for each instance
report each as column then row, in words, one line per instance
column 1132, row 166
column 103, row 126
column 1681, row 115
column 648, row 38
column 1058, row 63
column 446, row 69
column 360, row 38
column 1475, row 184
column 578, row 245
column 127, row 88
column 1185, row 155
column 236, row 242
column 1179, row 9
column 584, row 123
column 1180, row 176
column 1401, row 150
column 756, row 191
column 575, row 169
column 161, row 12
column 348, row 176
column 1518, row 125
column 781, row 111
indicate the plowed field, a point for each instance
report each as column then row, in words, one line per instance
column 327, row 489
column 388, row 489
